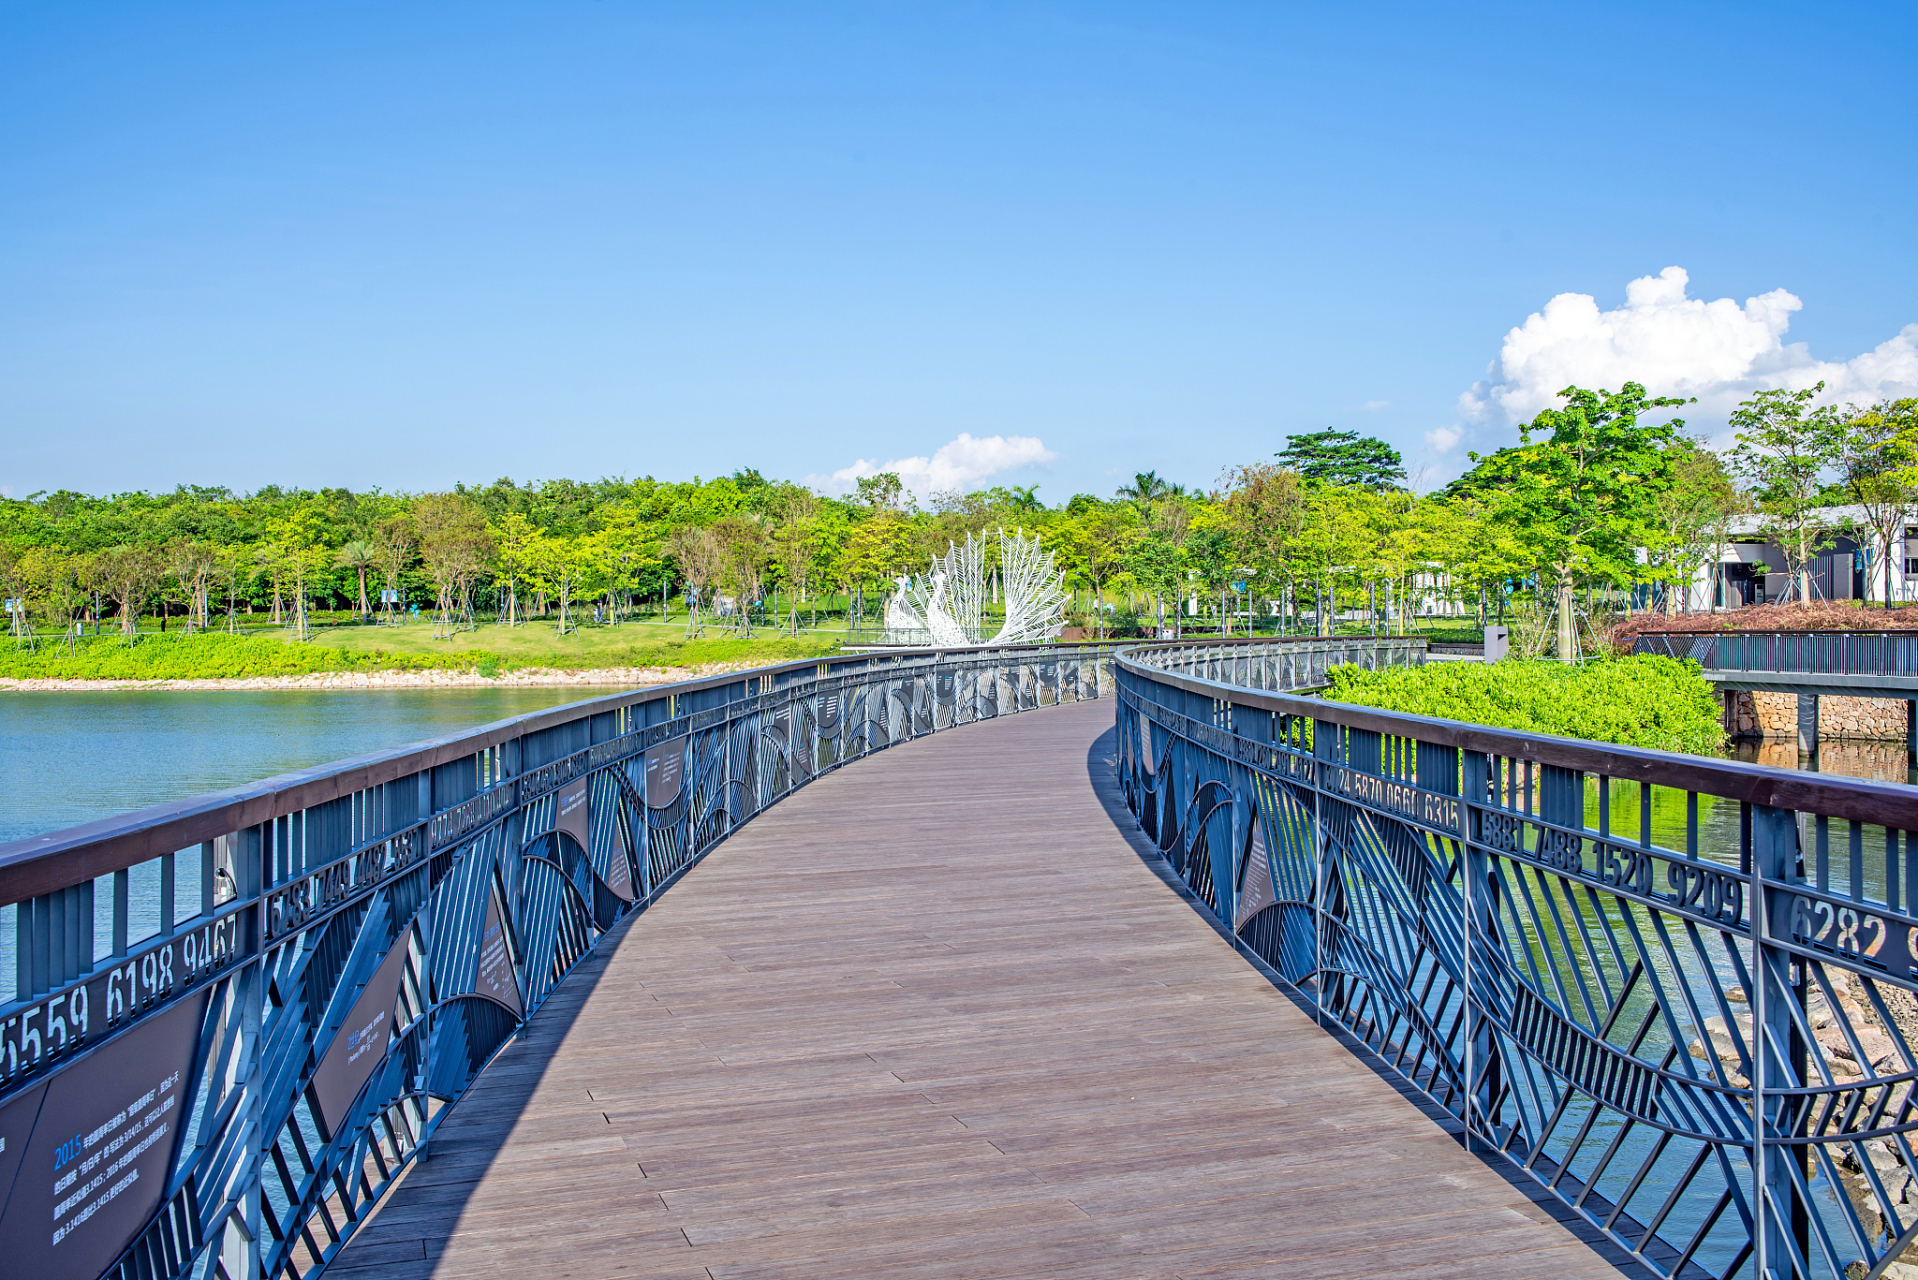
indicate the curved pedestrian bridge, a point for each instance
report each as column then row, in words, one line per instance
column 1050, row 961
column 943, row 1013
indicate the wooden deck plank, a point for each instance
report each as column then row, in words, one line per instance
column 932, row 1017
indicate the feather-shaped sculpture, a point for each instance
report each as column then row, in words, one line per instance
column 946, row 608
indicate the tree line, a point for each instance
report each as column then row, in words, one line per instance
column 1603, row 494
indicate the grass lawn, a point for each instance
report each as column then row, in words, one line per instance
column 632, row 644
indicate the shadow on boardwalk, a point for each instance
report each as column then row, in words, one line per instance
column 937, row 1015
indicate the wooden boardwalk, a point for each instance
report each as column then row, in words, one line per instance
column 933, row 1017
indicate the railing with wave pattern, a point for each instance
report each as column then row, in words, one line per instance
column 237, row 1018
column 1594, row 958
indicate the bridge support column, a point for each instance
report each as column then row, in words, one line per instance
column 1728, row 711
column 1808, row 724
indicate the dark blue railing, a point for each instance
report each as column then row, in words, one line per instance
column 236, row 1019
column 1679, row 992
column 1817, row 653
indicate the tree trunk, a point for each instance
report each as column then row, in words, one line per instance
column 1567, row 633
column 1887, row 566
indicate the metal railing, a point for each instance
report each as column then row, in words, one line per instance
column 1834, row 653
column 1291, row 665
column 1603, row 962
column 237, row 1018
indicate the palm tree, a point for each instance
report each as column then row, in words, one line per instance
column 1025, row 497
column 1146, row 487
column 359, row 555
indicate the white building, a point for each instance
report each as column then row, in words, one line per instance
column 1751, row 570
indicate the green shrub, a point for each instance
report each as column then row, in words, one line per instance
column 1643, row 701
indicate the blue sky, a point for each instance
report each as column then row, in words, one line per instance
column 403, row 245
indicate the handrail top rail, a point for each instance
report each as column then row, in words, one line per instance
column 1887, row 633
column 118, row 842
column 1861, row 799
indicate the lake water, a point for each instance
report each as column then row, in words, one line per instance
column 68, row 758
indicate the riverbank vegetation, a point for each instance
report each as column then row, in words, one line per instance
column 491, row 651
column 1642, row 701
column 1605, row 500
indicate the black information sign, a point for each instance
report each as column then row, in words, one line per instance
column 574, row 813
column 496, row 980
column 664, row 765
column 361, row 1042
column 1255, row 883
column 84, row 1157
column 619, row 873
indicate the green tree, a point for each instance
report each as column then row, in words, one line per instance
column 1146, row 488
column 1265, row 510
column 1688, row 519
column 744, row 552
column 299, row 555
column 360, row 556
column 1209, row 562
column 1579, row 497
column 626, row 550
column 54, row 582
column 192, row 564
column 1343, row 457
column 560, row 566
column 1785, row 450
column 700, row 561
column 1154, row 564
column 126, row 575
column 1879, row 459
column 395, row 542
column 514, row 539
column 883, row 492
column 455, row 547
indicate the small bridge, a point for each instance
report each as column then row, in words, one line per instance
column 1810, row 664
column 1060, row 962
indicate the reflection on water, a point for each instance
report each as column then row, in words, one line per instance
column 1879, row 761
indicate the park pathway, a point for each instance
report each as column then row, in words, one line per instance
column 933, row 1017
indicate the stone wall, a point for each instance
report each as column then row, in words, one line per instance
column 1775, row 715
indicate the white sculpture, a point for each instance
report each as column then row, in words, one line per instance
column 946, row 608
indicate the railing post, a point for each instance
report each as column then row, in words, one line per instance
column 1325, row 751
column 241, row 1254
column 1472, row 869
column 1780, row 1234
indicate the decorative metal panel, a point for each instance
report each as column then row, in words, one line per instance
column 340, row 969
column 1680, row 993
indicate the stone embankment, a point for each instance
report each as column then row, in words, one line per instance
column 620, row 677
column 1775, row 715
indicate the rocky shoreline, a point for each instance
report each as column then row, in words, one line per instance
column 620, row 677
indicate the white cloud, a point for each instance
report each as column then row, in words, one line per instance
column 959, row 464
column 1442, row 440
column 1719, row 351
column 1370, row 405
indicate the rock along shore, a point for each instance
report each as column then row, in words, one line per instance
column 621, row 677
